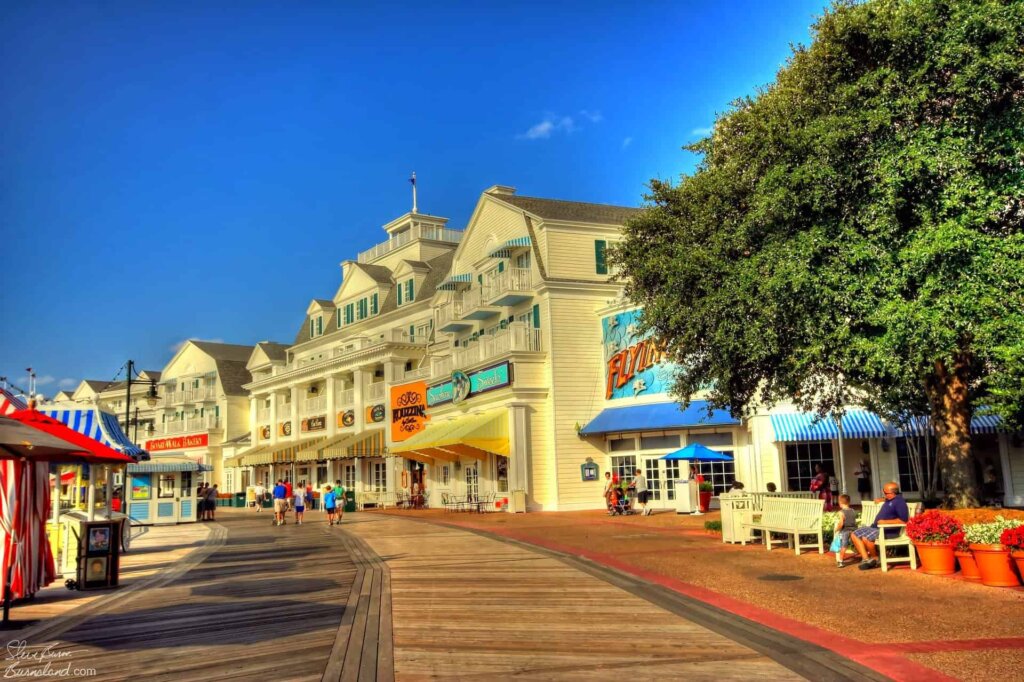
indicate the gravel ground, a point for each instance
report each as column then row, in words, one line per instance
column 871, row 606
column 977, row 666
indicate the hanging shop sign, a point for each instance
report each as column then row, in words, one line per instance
column 264, row 433
column 313, row 424
column 462, row 386
column 408, row 410
column 375, row 413
column 178, row 443
column 635, row 365
column 284, row 429
column 346, row 418
column 589, row 471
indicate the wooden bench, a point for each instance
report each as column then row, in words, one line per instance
column 869, row 510
column 793, row 517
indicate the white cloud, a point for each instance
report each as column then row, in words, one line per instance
column 592, row 116
column 181, row 344
column 547, row 127
column 67, row 383
column 701, row 132
column 626, row 142
column 44, row 380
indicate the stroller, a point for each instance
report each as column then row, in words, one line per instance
column 619, row 503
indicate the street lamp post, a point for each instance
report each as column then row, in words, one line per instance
column 151, row 399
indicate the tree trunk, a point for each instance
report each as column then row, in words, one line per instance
column 951, row 418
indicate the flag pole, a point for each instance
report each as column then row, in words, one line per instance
column 413, row 181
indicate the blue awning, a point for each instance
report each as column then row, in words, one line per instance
column 656, row 417
column 505, row 250
column 920, row 426
column 164, row 465
column 805, row 426
column 100, row 426
column 455, row 282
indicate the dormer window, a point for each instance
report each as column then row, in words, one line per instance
column 357, row 311
column 406, row 292
column 316, row 326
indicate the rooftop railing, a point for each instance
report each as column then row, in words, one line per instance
column 441, row 234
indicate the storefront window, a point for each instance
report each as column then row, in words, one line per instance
column 908, row 482
column 712, row 440
column 622, row 445
column 800, row 461
column 165, row 489
column 501, row 473
column 321, row 473
column 349, row 478
column 659, row 442
column 378, row 477
column 718, row 474
column 624, row 466
column 445, row 475
column 186, row 483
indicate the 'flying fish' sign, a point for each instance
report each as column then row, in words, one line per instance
column 633, row 365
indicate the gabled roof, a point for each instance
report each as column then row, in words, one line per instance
column 96, row 385
column 224, row 351
column 570, row 211
column 377, row 273
column 233, row 375
column 277, row 352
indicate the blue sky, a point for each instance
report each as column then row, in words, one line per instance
column 199, row 169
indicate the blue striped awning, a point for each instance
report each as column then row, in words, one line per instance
column 805, row 426
column 505, row 250
column 159, row 466
column 455, row 282
column 921, row 426
column 100, row 426
column 656, row 417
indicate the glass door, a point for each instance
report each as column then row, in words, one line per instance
column 472, row 482
column 661, row 476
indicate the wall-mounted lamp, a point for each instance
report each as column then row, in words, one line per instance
column 885, row 445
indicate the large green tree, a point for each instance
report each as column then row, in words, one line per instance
column 856, row 228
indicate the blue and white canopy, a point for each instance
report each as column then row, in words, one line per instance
column 165, row 465
column 455, row 282
column 805, row 426
column 506, row 249
column 921, row 426
column 99, row 426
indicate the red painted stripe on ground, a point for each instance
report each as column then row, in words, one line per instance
column 955, row 645
column 877, row 657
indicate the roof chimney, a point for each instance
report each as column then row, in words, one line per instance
column 498, row 190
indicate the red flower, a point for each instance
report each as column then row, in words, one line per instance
column 935, row 527
column 1013, row 538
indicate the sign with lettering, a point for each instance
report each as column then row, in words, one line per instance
column 284, row 429
column 408, row 410
column 346, row 418
column 375, row 413
column 314, row 424
column 455, row 389
column 633, row 365
column 178, row 442
column 264, row 433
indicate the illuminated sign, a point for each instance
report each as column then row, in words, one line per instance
column 455, row 389
column 633, row 365
column 313, row 424
column 178, row 443
column 408, row 410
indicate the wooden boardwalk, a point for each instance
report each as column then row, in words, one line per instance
column 386, row 597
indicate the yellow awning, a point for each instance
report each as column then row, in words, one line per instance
column 486, row 431
column 364, row 444
column 286, row 453
column 253, row 456
column 315, row 451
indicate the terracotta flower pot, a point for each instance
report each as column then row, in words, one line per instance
column 1018, row 556
column 705, row 499
column 936, row 558
column 995, row 565
column 968, row 566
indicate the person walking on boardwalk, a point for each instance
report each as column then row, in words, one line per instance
column 280, row 502
column 329, row 504
column 260, row 493
column 211, row 503
column 639, row 485
column 300, row 504
column 339, row 496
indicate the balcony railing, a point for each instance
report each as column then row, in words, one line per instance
column 315, row 405
column 174, row 426
column 510, row 281
column 419, row 373
column 442, row 366
column 173, row 397
column 375, row 391
column 464, row 356
column 441, row 234
column 263, row 414
column 346, row 397
column 517, row 337
column 204, row 423
column 201, row 394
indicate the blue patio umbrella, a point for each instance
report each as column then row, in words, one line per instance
column 695, row 452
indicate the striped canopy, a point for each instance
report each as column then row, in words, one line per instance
column 921, row 426
column 804, row 426
column 99, row 426
column 506, row 249
column 455, row 282
column 166, row 465
column 9, row 402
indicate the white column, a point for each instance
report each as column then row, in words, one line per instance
column 518, row 444
column 254, row 427
column 359, row 384
column 297, row 395
column 110, row 490
column 91, row 495
column 332, row 408
column 273, row 416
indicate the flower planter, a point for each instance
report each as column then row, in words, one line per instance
column 936, row 558
column 995, row 565
column 1018, row 556
column 968, row 566
column 705, row 499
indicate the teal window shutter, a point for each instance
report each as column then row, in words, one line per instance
column 320, row 325
column 216, row 410
column 400, row 287
column 412, row 332
column 480, row 280
column 536, row 317
column 373, row 304
column 409, row 293
column 202, row 411
column 501, row 266
column 600, row 246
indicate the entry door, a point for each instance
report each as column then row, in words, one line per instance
column 187, row 501
column 472, row 482
column 661, row 476
column 168, row 498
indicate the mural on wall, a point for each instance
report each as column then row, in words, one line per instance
column 634, row 366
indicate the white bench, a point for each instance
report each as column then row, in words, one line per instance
column 869, row 510
column 793, row 517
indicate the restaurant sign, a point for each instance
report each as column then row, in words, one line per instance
column 634, row 365
column 346, row 418
column 375, row 414
column 178, row 443
column 314, row 424
column 462, row 386
column 264, row 433
column 284, row 429
column 408, row 410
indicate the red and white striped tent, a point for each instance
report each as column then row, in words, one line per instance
column 9, row 402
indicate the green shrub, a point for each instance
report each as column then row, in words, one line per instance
column 713, row 526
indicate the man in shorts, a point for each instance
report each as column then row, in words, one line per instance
column 893, row 510
column 329, row 504
column 280, row 503
column 339, row 495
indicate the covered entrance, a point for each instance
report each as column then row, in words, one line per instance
column 163, row 490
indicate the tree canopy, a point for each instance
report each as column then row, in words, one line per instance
column 857, row 226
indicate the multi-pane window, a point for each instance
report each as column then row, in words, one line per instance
column 523, row 260
column 406, row 292
column 718, row 474
column 908, row 482
column 378, row 477
column 624, row 466
column 800, row 461
column 349, row 477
